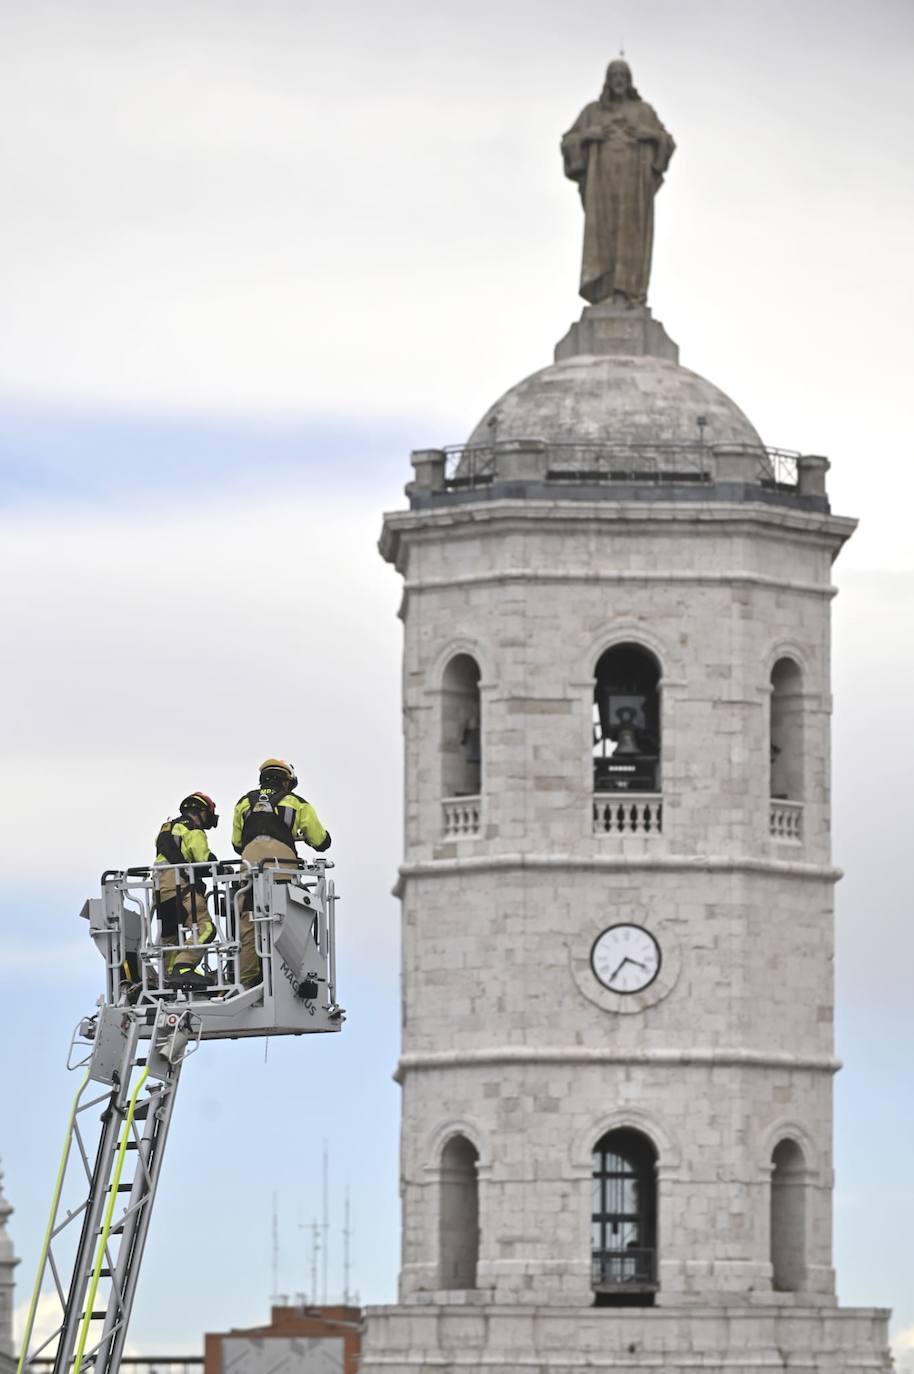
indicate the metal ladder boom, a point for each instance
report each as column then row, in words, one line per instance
column 129, row 1047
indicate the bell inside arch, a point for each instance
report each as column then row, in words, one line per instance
column 626, row 738
column 627, row 721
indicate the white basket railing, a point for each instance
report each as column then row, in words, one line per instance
column 785, row 819
column 627, row 813
column 460, row 817
column 127, row 924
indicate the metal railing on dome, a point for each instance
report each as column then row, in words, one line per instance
column 469, row 465
column 778, row 469
column 660, row 462
column 629, row 463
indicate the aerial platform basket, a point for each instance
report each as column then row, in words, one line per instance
column 292, row 909
column 129, row 1054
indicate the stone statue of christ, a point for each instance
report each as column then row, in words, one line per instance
column 617, row 151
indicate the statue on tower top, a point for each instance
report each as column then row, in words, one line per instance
column 617, row 151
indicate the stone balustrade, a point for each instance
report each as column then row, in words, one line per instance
column 627, row 813
column 460, row 817
column 785, row 820
column 621, row 813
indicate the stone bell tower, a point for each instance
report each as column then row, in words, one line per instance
column 617, row 887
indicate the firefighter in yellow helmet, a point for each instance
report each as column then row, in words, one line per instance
column 266, row 825
column 182, row 894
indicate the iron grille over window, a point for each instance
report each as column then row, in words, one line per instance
column 624, row 1219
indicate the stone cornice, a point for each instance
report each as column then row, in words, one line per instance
column 699, row 1057
column 675, row 863
column 809, row 1310
column 830, row 530
column 571, row 575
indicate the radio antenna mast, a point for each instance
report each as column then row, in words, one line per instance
column 326, row 1227
column 347, row 1233
column 275, row 1239
column 315, row 1248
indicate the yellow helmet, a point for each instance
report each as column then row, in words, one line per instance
column 274, row 766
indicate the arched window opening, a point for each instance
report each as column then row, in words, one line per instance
column 459, row 1214
column 786, row 731
column 624, row 1220
column 626, row 721
column 461, row 752
column 788, row 1218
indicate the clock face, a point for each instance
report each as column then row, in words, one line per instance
column 625, row 958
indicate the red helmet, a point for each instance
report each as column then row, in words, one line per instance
column 202, row 804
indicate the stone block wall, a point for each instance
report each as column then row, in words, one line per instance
column 702, row 592
column 453, row 1339
column 537, row 1069
column 510, row 1042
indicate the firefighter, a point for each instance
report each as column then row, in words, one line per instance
column 266, row 825
column 182, row 893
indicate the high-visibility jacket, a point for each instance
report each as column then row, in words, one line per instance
column 283, row 816
column 191, row 841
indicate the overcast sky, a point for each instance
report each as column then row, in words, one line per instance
column 250, row 255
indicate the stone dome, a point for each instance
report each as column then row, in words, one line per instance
column 615, row 400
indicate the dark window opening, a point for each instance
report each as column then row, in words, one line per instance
column 461, row 739
column 786, row 731
column 788, row 1218
column 459, row 1214
column 626, row 721
column 624, row 1220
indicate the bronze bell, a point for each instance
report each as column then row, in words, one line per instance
column 627, row 742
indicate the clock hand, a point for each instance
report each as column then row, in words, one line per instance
column 626, row 960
